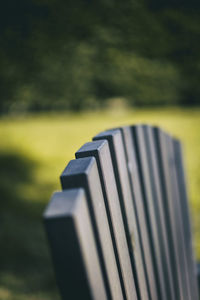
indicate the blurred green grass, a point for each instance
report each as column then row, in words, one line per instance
column 34, row 150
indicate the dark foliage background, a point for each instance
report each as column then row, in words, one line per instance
column 77, row 54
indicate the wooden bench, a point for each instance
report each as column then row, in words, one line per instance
column 120, row 229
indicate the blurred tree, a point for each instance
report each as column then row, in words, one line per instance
column 76, row 54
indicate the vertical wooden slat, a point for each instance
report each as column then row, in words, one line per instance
column 170, row 214
column 180, row 226
column 83, row 173
column 143, row 248
column 159, row 211
column 198, row 275
column 114, row 139
column 100, row 150
column 180, row 174
column 150, row 207
column 73, row 248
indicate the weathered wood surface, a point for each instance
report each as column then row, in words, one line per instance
column 100, row 150
column 150, row 208
column 184, row 207
column 143, row 254
column 73, row 248
column 121, row 227
column 83, row 172
column 159, row 210
column 114, row 139
column 188, row 293
column 171, row 218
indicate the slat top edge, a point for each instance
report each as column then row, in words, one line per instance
column 78, row 166
column 64, row 203
column 96, row 145
column 107, row 133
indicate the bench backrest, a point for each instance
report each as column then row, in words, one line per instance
column 120, row 229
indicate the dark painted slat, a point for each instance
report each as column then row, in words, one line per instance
column 180, row 174
column 198, row 275
column 143, row 242
column 73, row 248
column 159, row 212
column 168, row 201
column 114, row 139
column 150, row 207
column 83, row 173
column 180, row 225
column 100, row 150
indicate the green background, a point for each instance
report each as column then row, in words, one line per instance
column 77, row 54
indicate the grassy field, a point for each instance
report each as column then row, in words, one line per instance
column 33, row 152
